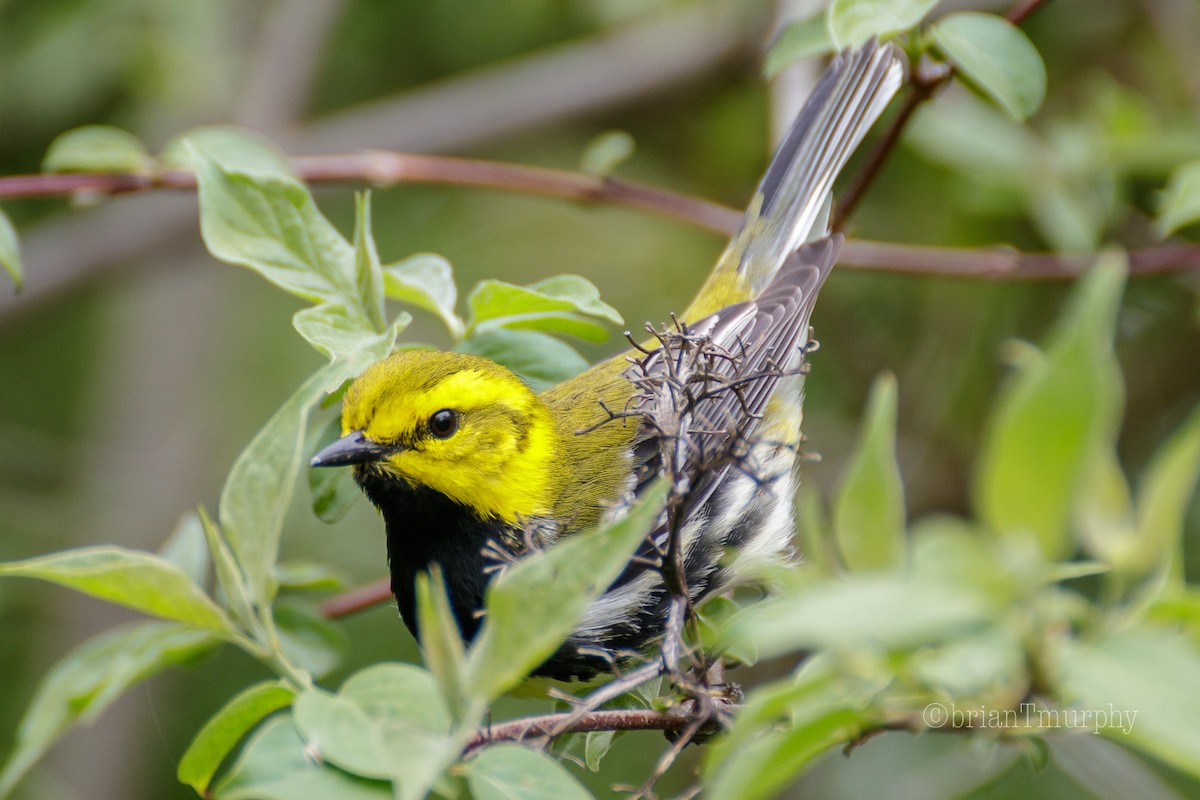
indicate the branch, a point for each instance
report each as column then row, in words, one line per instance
column 926, row 80
column 519, row 730
column 355, row 600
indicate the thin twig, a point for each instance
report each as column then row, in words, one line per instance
column 356, row 600
column 519, row 730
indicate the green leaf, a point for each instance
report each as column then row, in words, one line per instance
column 852, row 22
column 260, row 484
column 367, row 270
column 337, row 332
column 226, row 728
column 799, row 39
column 132, row 578
column 1180, row 203
column 561, row 305
column 869, row 610
column 266, row 220
column 541, row 360
column 187, row 549
column 237, row 148
column 509, row 771
column 426, row 281
column 532, row 606
column 277, row 764
column 1137, row 686
column 229, row 576
column 388, row 721
column 85, row 682
column 1162, row 500
column 441, row 640
column 308, row 576
column 97, row 148
column 607, row 151
column 596, row 745
column 308, row 640
column 869, row 509
column 333, row 491
column 10, row 251
column 996, row 57
column 1053, row 416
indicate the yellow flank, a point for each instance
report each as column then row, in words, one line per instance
column 505, row 460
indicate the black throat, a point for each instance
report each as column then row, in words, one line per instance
column 425, row 527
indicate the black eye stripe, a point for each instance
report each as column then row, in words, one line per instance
column 443, row 423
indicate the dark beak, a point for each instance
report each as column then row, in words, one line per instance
column 353, row 448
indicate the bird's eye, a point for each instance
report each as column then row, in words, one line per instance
column 444, row 423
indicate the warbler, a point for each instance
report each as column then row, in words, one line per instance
column 460, row 455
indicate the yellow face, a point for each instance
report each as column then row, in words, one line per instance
column 461, row 425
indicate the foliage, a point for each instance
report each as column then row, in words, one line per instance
column 1062, row 603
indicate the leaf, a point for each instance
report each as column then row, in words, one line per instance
column 1162, row 499
column 97, row 148
column 560, row 304
column 869, row 509
column 388, row 721
column 10, row 251
column 426, row 281
column 509, row 771
column 996, row 57
column 853, row 22
column 229, row 576
column 869, row 610
column 308, row 576
column 84, row 683
column 534, row 604
column 226, row 728
column 596, row 745
column 186, row 548
column 237, row 148
column 333, row 491
column 277, row 764
column 1053, row 416
column 308, row 640
column 266, row 220
column 607, row 151
column 131, row 578
column 260, row 484
column 799, row 39
column 336, row 332
column 441, row 640
column 367, row 270
column 1136, row 688
column 541, row 360
column 1180, row 203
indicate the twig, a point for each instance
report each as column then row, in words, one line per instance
column 356, row 600
column 546, row 725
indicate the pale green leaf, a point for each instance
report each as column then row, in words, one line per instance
column 84, row 683
column 581, row 293
column 1162, row 499
column 1137, row 688
column 426, row 281
column 333, row 491
column 996, row 57
column 596, row 745
column 309, row 576
column 187, row 549
column 1053, row 416
column 260, row 484
column 509, row 772
column 865, row 610
column 534, row 604
column 1180, row 203
column 800, row 39
column 853, row 22
column 226, row 728
column 132, row 578
column 387, row 722
column 441, row 640
column 541, row 360
column 337, row 332
column 229, row 576
column 562, row 304
column 869, row 509
column 97, row 148
column 368, row 272
column 277, row 764
column 10, row 251
column 606, row 152
column 308, row 640
column 236, row 148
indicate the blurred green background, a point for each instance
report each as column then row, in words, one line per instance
column 133, row 367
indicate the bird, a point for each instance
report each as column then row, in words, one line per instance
column 460, row 455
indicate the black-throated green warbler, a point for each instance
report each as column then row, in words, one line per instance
column 459, row 454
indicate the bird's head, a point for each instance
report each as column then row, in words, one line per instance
column 458, row 424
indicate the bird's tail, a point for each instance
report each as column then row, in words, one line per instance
column 791, row 204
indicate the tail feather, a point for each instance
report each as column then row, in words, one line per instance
column 792, row 201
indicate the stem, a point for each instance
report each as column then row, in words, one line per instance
column 606, row 720
column 356, row 600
